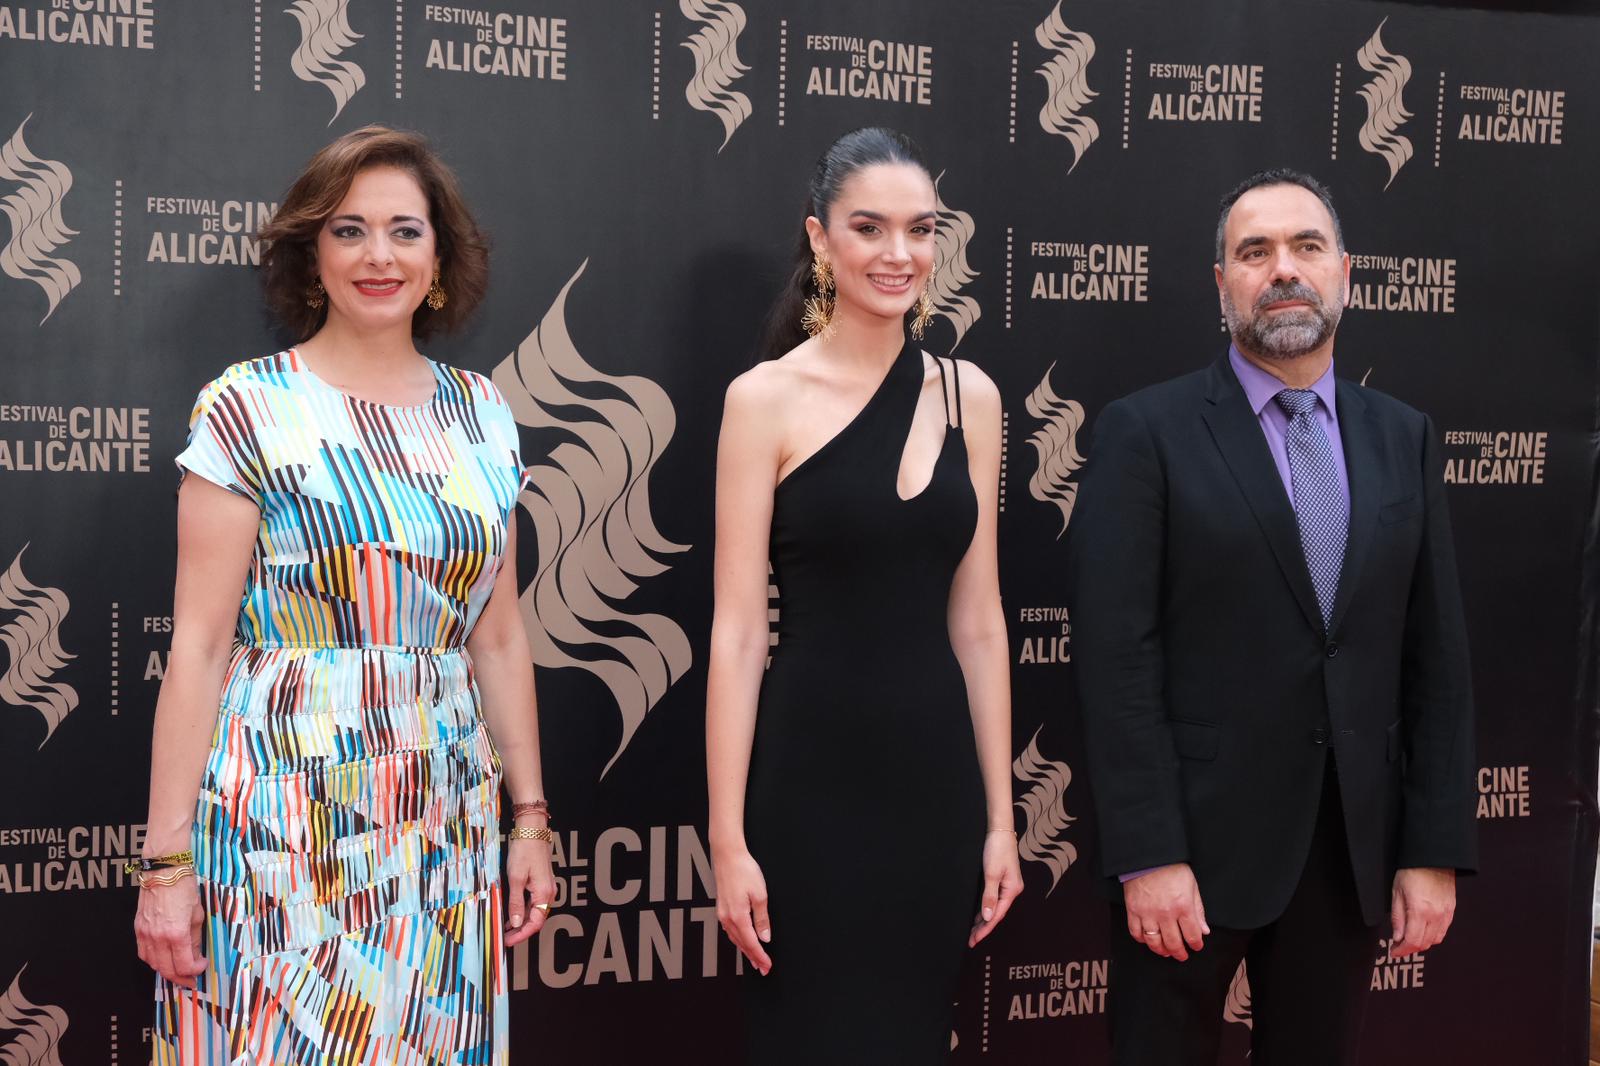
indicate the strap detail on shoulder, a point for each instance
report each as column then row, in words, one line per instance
column 955, row 369
column 944, row 390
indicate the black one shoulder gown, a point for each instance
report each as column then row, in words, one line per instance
column 865, row 806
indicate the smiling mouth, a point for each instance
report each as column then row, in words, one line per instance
column 378, row 286
column 891, row 282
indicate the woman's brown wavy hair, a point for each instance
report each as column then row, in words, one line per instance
column 289, row 238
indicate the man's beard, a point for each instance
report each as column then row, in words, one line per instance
column 1288, row 334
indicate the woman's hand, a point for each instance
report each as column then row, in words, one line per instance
column 167, row 927
column 1002, row 883
column 742, row 905
column 529, row 882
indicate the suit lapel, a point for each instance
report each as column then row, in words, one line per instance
column 1363, row 461
column 1238, row 436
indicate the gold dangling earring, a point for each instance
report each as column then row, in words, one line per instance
column 436, row 294
column 818, row 317
column 925, row 309
column 316, row 295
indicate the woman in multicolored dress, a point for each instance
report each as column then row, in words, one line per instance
column 350, row 680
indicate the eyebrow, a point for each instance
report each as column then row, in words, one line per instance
column 362, row 220
column 1304, row 235
column 876, row 217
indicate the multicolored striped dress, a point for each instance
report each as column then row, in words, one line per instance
column 346, row 838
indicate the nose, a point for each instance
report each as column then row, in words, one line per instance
column 379, row 251
column 897, row 251
column 1284, row 267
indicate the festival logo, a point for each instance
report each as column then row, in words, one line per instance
column 1091, row 273
column 209, row 231
column 1044, row 809
column 1386, row 111
column 1504, row 115
column 1495, row 456
column 631, row 906
column 590, row 505
column 1236, row 1008
column 950, row 268
column 36, row 1030
column 1403, row 283
column 498, row 43
column 324, row 34
column 871, row 68
column 95, row 23
column 37, row 229
column 715, row 47
column 1207, row 92
column 1391, row 974
column 1057, row 444
column 32, row 639
column 1504, row 792
column 1066, row 77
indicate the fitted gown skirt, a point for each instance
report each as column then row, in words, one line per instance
column 865, row 810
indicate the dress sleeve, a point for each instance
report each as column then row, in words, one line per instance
column 223, row 447
column 508, row 441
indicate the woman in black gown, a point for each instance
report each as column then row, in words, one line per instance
column 861, row 826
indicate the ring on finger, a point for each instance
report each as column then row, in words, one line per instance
column 542, row 907
column 1152, row 932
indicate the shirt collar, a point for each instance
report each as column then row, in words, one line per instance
column 1260, row 387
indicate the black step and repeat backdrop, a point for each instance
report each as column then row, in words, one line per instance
column 640, row 164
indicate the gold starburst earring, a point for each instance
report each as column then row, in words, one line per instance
column 818, row 317
column 925, row 309
column 436, row 293
column 316, row 295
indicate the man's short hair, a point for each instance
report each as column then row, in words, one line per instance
column 1278, row 176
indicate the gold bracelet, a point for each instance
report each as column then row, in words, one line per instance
column 169, row 876
column 177, row 858
column 528, row 832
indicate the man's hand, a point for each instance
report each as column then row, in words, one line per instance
column 1423, row 904
column 1165, row 912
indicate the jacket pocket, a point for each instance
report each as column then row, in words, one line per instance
column 1400, row 510
column 1395, row 741
column 1194, row 740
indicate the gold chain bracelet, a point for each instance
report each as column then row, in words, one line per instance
column 528, row 832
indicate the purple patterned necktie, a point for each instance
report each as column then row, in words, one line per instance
column 1319, row 506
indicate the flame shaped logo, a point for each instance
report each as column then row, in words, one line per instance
column 37, row 1029
column 1044, row 806
column 324, row 33
column 1237, row 1006
column 715, row 47
column 590, row 505
column 1066, row 75
column 950, row 267
column 32, row 640
column 37, row 230
column 1386, row 111
column 1057, row 444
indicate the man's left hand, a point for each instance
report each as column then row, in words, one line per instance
column 1424, row 902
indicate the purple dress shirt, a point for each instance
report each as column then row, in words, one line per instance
column 1259, row 389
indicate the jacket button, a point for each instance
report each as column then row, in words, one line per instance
column 1319, row 736
column 1331, row 648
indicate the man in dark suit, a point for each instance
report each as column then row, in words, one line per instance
column 1272, row 665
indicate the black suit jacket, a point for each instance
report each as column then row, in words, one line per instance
column 1210, row 689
